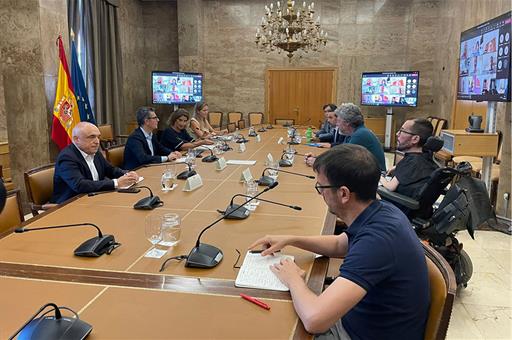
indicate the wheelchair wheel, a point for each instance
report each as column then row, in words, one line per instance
column 463, row 269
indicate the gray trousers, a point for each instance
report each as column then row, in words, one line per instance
column 335, row 332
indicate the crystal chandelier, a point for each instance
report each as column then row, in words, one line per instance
column 290, row 29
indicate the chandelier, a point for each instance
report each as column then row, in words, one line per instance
column 290, row 29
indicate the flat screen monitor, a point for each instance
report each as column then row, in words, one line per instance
column 390, row 88
column 484, row 64
column 176, row 87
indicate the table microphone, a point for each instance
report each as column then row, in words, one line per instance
column 242, row 213
column 53, row 327
column 210, row 158
column 267, row 180
column 93, row 247
column 187, row 173
column 148, row 203
column 242, row 139
column 207, row 256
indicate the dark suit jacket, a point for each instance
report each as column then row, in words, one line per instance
column 137, row 153
column 73, row 177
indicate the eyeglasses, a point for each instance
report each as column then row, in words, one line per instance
column 405, row 131
column 155, row 117
column 319, row 188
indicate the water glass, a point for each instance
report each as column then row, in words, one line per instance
column 251, row 189
column 168, row 179
column 191, row 159
column 273, row 171
column 289, row 156
column 171, row 230
column 153, row 229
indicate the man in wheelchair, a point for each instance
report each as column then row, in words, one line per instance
column 417, row 165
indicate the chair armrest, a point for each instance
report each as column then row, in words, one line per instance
column 398, row 198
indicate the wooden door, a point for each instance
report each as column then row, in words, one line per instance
column 464, row 109
column 299, row 94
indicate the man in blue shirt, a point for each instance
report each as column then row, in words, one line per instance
column 382, row 291
column 326, row 133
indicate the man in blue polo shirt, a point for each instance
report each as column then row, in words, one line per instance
column 382, row 291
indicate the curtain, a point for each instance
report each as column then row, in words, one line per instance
column 95, row 22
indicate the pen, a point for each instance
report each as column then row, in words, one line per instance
column 255, row 301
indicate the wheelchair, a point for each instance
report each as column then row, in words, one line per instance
column 465, row 206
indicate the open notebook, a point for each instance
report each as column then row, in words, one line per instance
column 255, row 272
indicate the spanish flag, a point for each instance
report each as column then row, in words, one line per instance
column 65, row 108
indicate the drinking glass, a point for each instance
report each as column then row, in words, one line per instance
column 171, row 230
column 153, row 229
column 169, row 178
column 273, row 171
column 251, row 189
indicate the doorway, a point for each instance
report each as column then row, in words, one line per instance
column 299, row 94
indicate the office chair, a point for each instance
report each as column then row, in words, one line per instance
column 39, row 185
column 12, row 214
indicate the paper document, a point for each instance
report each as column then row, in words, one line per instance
column 255, row 272
column 240, row 162
column 129, row 186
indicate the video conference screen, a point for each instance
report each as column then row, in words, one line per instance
column 484, row 67
column 390, row 88
column 176, row 87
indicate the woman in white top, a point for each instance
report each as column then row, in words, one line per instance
column 199, row 123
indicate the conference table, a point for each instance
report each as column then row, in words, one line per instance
column 123, row 295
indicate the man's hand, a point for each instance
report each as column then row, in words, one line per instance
column 272, row 243
column 310, row 159
column 174, row 155
column 127, row 179
column 287, row 271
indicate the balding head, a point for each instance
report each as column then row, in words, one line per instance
column 86, row 137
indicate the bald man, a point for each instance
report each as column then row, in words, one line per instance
column 81, row 168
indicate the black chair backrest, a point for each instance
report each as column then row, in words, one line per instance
column 433, row 144
column 431, row 190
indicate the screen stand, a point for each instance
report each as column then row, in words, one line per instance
column 490, row 127
column 389, row 124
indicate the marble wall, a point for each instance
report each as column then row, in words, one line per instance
column 149, row 40
column 26, row 37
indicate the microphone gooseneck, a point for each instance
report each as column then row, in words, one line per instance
column 24, row 230
column 231, row 212
column 288, row 172
column 267, row 201
column 150, row 192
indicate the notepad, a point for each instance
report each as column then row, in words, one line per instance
column 240, row 162
column 129, row 186
column 255, row 272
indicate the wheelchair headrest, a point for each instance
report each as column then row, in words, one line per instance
column 433, row 144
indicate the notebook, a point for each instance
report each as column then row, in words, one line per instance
column 240, row 162
column 255, row 272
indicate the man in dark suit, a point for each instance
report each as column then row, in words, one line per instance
column 81, row 168
column 142, row 146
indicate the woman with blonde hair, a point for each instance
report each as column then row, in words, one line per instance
column 199, row 123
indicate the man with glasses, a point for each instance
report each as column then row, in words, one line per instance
column 382, row 291
column 326, row 133
column 142, row 147
column 350, row 122
column 415, row 168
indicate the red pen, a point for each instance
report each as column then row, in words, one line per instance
column 255, row 301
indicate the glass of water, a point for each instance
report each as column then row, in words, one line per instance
column 251, row 189
column 273, row 171
column 153, row 229
column 168, row 178
column 171, row 230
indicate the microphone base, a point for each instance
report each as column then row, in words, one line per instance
column 253, row 134
column 269, row 127
column 96, row 246
column 243, row 140
column 285, row 163
column 186, row 174
column 148, row 203
column 240, row 214
column 293, row 143
column 210, row 159
column 50, row 328
column 204, row 256
column 262, row 129
column 265, row 181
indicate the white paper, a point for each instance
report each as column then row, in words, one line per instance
column 240, row 162
column 155, row 253
column 246, row 176
column 255, row 272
